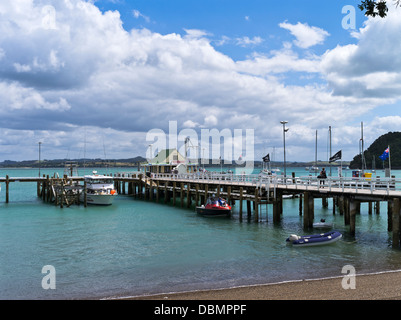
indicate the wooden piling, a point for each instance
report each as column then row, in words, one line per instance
column 174, row 192
column 248, row 208
column 188, row 194
column 44, row 187
column 396, row 222
column 300, row 204
column 150, row 189
column 37, row 188
column 197, row 195
column 308, row 210
column 256, row 202
column 165, row 192
column 325, row 203
column 279, row 196
column 157, row 190
column 7, row 188
column 182, row 194
column 85, row 195
column 62, row 194
column 341, row 205
column 276, row 211
column 377, row 207
column 389, row 215
column 353, row 208
column 346, row 211
column 241, row 193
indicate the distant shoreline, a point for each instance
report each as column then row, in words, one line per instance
column 135, row 162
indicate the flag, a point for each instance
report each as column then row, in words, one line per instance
column 337, row 156
column 266, row 158
column 385, row 154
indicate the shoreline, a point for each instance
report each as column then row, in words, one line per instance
column 384, row 285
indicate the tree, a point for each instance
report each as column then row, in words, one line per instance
column 392, row 139
column 376, row 8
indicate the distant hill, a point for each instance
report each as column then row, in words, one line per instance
column 131, row 162
column 376, row 149
column 134, row 162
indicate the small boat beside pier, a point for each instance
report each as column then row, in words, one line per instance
column 99, row 189
column 315, row 239
column 215, row 207
column 322, row 224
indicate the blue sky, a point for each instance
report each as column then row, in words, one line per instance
column 235, row 19
column 109, row 72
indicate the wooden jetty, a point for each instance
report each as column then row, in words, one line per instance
column 61, row 191
column 347, row 194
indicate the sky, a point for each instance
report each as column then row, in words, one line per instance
column 94, row 78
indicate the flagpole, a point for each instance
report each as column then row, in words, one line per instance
column 389, row 161
column 330, row 147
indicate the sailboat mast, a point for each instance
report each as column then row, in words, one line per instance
column 330, row 147
column 316, row 150
column 362, row 150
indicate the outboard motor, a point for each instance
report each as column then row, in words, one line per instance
column 294, row 237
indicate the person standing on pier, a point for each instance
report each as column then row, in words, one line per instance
column 322, row 176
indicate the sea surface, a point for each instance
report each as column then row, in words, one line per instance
column 137, row 247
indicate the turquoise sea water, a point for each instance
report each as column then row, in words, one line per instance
column 137, row 247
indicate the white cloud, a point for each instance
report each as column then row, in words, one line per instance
column 306, row 36
column 16, row 97
column 246, row 41
column 190, row 124
column 196, row 34
column 91, row 73
column 137, row 14
column 279, row 61
column 372, row 67
column 389, row 123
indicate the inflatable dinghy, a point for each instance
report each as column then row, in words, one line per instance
column 315, row 239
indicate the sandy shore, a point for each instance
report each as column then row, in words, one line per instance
column 367, row 287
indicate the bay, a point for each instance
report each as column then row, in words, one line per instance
column 137, row 247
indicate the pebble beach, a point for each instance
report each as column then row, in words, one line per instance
column 378, row 286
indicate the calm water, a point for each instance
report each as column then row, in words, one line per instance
column 135, row 247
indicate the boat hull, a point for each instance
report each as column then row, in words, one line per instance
column 213, row 212
column 98, row 199
column 316, row 239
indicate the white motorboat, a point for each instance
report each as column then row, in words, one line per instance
column 99, row 189
column 313, row 169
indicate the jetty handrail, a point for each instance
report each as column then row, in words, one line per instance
column 306, row 182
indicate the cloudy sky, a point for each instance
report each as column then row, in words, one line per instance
column 94, row 77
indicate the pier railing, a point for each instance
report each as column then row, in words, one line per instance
column 364, row 185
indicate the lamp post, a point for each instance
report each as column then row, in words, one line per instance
column 40, row 143
column 150, row 153
column 284, row 131
column 203, row 158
